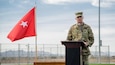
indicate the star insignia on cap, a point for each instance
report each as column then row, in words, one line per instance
column 24, row 24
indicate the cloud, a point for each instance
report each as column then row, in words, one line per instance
column 103, row 3
column 107, row 31
column 21, row 3
column 63, row 1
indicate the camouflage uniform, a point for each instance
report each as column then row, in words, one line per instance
column 83, row 33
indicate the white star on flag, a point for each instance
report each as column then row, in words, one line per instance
column 24, row 24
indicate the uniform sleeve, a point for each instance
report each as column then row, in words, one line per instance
column 90, row 37
column 69, row 36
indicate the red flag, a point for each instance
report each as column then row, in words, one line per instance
column 24, row 28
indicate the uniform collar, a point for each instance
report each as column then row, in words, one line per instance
column 80, row 24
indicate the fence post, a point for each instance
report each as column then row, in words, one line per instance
column 109, row 53
column 0, row 55
column 28, row 56
column 19, row 54
column 57, row 51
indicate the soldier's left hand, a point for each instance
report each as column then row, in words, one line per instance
column 86, row 44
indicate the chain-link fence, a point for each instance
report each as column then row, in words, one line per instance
column 105, row 55
column 26, row 53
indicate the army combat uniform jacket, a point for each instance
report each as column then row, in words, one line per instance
column 82, row 33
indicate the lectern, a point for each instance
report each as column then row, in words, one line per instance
column 73, row 54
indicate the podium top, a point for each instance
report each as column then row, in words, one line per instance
column 71, row 41
column 72, row 44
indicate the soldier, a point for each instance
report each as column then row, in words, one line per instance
column 82, row 32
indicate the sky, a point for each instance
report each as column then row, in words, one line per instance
column 55, row 17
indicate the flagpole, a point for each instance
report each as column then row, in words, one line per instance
column 36, row 51
column 99, row 36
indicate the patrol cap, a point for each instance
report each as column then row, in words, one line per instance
column 79, row 14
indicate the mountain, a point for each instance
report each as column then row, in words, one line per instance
column 23, row 53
